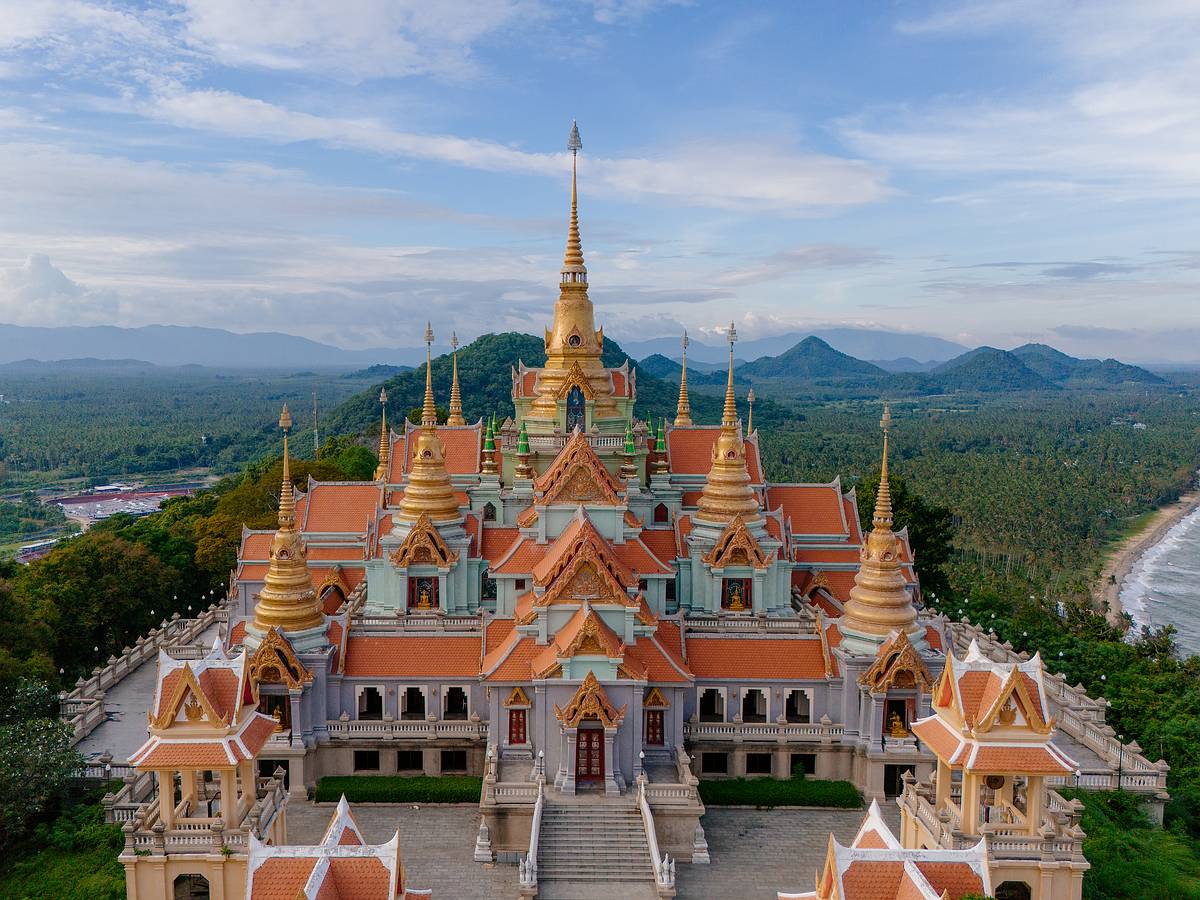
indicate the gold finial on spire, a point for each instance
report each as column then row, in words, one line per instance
column 456, row 416
column 287, row 599
column 429, row 409
column 729, row 418
column 727, row 492
column 573, row 269
column 750, row 415
column 879, row 602
column 385, row 438
column 683, row 409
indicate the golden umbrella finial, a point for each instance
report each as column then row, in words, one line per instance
column 729, row 418
column 750, row 416
column 683, row 409
column 456, row 416
column 429, row 409
column 385, row 444
column 882, row 517
column 285, row 419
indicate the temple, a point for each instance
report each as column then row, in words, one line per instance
column 592, row 612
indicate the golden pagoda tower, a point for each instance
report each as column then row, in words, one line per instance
column 287, row 600
column 683, row 409
column 573, row 342
column 750, row 415
column 428, row 489
column 727, row 492
column 385, row 442
column 879, row 601
column 456, row 416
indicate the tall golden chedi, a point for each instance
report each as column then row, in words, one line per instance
column 879, row 603
column 574, row 344
column 385, row 439
column 683, row 409
column 727, row 492
column 287, row 600
column 428, row 489
column 456, row 416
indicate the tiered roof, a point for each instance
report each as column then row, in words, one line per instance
column 343, row 866
column 875, row 867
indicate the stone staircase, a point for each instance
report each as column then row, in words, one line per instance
column 593, row 849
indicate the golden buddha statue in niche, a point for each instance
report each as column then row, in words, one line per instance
column 896, row 726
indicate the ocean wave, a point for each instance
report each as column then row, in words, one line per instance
column 1163, row 585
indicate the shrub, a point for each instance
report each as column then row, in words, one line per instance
column 77, row 860
column 397, row 789
column 768, row 792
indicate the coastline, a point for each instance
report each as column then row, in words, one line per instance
column 1121, row 561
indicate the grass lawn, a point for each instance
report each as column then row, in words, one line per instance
column 398, row 789
column 768, row 792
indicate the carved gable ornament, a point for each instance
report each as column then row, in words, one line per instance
column 656, row 700
column 593, row 639
column 576, row 378
column 587, row 580
column 590, row 702
column 1014, row 698
column 577, row 476
column 187, row 697
column 424, row 546
column 518, row 697
column 897, row 664
column 275, row 662
column 737, row 547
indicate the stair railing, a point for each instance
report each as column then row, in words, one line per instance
column 664, row 866
column 527, row 866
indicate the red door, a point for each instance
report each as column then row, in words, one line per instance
column 654, row 727
column 516, row 726
column 589, row 755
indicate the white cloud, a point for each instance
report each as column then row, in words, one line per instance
column 798, row 259
column 37, row 293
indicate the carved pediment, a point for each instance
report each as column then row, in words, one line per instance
column 897, row 664
column 593, row 638
column 590, row 702
column 424, row 546
column 586, row 580
column 187, row 700
column 576, row 378
column 275, row 662
column 578, row 476
column 518, row 697
column 1014, row 701
column 655, row 700
column 737, row 547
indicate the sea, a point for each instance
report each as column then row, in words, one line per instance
column 1163, row 587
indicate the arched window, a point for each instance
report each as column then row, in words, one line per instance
column 575, row 409
column 1013, row 890
column 662, row 515
column 191, row 887
column 489, row 512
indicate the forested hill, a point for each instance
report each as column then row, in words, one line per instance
column 811, row 358
column 484, row 372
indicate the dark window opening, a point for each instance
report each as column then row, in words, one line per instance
column 517, row 731
column 370, row 704
column 412, row 704
column 797, row 708
column 456, row 703
column 278, row 707
column 489, row 512
column 454, row 761
column 804, row 764
column 366, row 760
column 191, row 887
column 671, row 589
column 662, row 514
column 410, row 761
column 712, row 706
column 267, row 767
column 655, row 734
column 423, row 593
column 758, row 763
column 893, row 779
column 488, row 589
column 521, row 584
column 1014, row 890
column 643, row 584
column 754, row 706
column 576, row 411
column 714, row 763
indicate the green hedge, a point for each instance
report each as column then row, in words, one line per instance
column 396, row 789
column 768, row 792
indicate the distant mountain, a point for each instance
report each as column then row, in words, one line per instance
column 669, row 370
column 904, row 364
column 176, row 345
column 1058, row 366
column 862, row 343
column 811, row 358
column 90, row 363
column 379, row 371
column 988, row 370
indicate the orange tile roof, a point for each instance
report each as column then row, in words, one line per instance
column 461, row 444
column 691, row 499
column 351, row 576
column 812, row 508
column 427, row 656
column 933, row 638
column 873, row 879
column 840, row 583
column 528, row 382
column 363, row 878
column 237, row 633
column 513, row 661
column 191, row 755
column 690, row 452
column 348, row 552
column 1013, row 760
column 851, row 506
column 661, row 543
column 823, row 555
column 958, row 879
column 281, row 878
column 782, row 658
column 938, row 737
column 653, row 658
column 833, row 635
column 257, row 545
column 618, row 383
column 575, row 538
column 496, row 541
column 341, row 508
column 637, row 557
column 220, row 687
column 524, row 557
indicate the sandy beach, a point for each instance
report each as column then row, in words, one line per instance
column 1119, row 563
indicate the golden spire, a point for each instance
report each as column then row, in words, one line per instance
column 385, row 442
column 727, row 492
column 879, row 602
column 750, row 416
column 683, row 409
column 456, row 416
column 287, row 600
column 573, row 341
column 428, row 489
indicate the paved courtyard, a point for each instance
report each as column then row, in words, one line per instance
column 755, row 853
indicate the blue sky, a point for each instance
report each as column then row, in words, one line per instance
column 989, row 172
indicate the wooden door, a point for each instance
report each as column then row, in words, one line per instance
column 654, row 728
column 589, row 755
column 516, row 726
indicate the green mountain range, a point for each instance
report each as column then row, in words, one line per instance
column 811, row 358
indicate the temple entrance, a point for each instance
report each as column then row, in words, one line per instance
column 576, row 411
column 589, row 756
